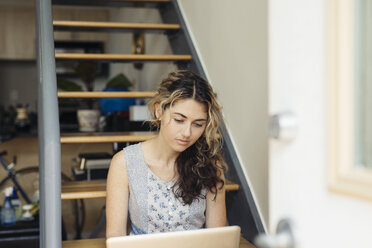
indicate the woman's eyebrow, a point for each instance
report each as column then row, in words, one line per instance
column 184, row 116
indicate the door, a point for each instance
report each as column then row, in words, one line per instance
column 298, row 187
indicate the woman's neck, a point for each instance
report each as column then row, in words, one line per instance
column 159, row 153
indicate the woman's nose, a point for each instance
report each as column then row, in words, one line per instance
column 187, row 131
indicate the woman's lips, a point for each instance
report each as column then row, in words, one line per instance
column 182, row 142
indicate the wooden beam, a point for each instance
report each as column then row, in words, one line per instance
column 83, row 189
column 123, row 57
column 70, row 138
column 101, row 243
column 97, row 189
column 85, row 243
column 123, row 26
column 106, row 94
column 113, row 3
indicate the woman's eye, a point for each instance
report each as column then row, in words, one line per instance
column 178, row 120
column 198, row 125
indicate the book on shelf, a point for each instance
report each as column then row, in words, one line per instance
column 94, row 160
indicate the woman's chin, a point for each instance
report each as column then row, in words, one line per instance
column 180, row 148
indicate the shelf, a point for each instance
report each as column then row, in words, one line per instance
column 113, row 26
column 97, row 189
column 101, row 243
column 123, row 57
column 106, row 137
column 100, row 94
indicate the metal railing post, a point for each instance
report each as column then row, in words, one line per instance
column 48, row 131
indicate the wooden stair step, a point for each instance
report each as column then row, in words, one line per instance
column 106, row 94
column 230, row 186
column 101, row 243
column 85, row 243
column 124, row 57
column 97, row 189
column 60, row 25
column 113, row 3
column 83, row 189
column 106, row 137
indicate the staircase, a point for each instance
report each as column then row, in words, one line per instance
column 240, row 205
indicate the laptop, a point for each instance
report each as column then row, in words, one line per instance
column 219, row 237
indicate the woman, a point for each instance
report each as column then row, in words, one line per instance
column 174, row 181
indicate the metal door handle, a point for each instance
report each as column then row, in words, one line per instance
column 283, row 238
column 283, row 126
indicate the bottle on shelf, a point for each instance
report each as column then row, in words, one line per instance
column 35, row 196
column 27, row 212
column 8, row 216
column 17, row 205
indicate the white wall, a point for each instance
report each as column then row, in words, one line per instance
column 231, row 39
column 298, row 169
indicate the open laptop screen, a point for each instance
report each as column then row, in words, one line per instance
column 220, row 237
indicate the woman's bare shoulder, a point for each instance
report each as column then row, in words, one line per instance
column 118, row 157
column 118, row 163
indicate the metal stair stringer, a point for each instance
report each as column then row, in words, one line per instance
column 241, row 207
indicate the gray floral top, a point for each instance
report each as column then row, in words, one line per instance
column 153, row 207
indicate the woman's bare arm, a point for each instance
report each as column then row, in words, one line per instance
column 216, row 208
column 117, row 197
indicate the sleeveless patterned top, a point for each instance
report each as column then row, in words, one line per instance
column 153, row 206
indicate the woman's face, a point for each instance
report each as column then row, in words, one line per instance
column 183, row 123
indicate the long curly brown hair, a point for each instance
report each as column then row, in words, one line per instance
column 199, row 166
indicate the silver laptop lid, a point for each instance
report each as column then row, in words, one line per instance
column 220, row 237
